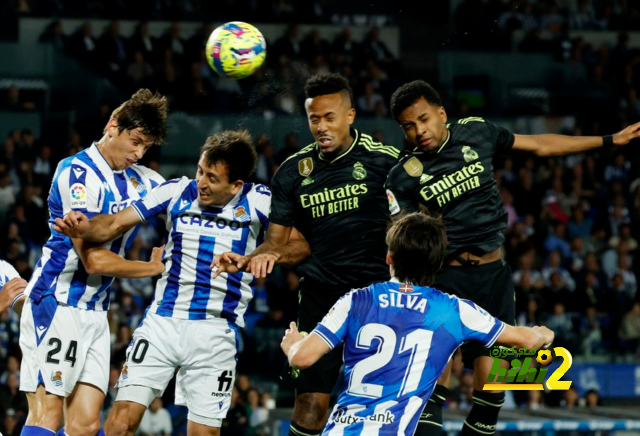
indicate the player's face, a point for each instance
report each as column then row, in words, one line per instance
column 424, row 125
column 330, row 117
column 123, row 149
column 214, row 188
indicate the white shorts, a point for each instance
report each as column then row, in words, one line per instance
column 62, row 346
column 204, row 350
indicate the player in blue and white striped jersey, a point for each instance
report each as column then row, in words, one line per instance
column 11, row 287
column 193, row 322
column 64, row 332
column 399, row 336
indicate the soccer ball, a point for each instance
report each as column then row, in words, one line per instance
column 236, row 50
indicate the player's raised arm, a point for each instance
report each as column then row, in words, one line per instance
column 560, row 145
column 531, row 337
column 100, row 228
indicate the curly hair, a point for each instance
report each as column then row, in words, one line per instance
column 235, row 149
column 408, row 93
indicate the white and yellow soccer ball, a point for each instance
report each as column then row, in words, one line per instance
column 236, row 50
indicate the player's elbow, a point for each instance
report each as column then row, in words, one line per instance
column 94, row 263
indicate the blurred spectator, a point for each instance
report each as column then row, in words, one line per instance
column 630, row 329
column 156, row 420
column 12, row 101
column 54, row 35
column 237, row 421
column 12, row 423
column 258, row 414
column 11, row 397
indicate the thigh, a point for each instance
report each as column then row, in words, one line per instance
column 96, row 366
column 152, row 355
column 84, row 404
column 55, row 342
column 206, row 377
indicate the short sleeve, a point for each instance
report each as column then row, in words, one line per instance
column 157, row 201
column 502, row 138
column 399, row 187
column 282, row 200
column 478, row 324
column 8, row 271
column 333, row 327
column 79, row 189
column 262, row 204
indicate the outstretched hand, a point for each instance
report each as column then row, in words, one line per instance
column 228, row 262
column 624, row 136
column 74, row 224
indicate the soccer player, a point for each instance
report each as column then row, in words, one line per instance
column 193, row 321
column 64, row 333
column 332, row 191
column 399, row 335
column 451, row 173
column 11, row 288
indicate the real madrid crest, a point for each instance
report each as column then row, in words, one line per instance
column 469, row 153
column 413, row 167
column 359, row 172
column 305, row 166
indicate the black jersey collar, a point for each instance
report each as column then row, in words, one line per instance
column 356, row 139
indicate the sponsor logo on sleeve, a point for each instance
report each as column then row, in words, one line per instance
column 78, row 194
column 394, row 207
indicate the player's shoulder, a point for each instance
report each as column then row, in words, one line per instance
column 470, row 126
column 377, row 150
column 152, row 176
column 306, row 153
column 257, row 190
column 408, row 170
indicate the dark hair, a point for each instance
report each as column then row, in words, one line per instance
column 235, row 149
column 146, row 111
column 417, row 243
column 408, row 93
column 328, row 83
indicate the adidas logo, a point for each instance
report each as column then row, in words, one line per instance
column 307, row 181
column 424, row 178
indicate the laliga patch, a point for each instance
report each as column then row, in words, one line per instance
column 394, row 207
column 78, row 194
column 413, row 167
column 305, row 166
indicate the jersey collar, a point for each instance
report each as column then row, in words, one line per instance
column 100, row 160
column 356, row 139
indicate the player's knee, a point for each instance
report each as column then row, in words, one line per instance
column 82, row 427
column 310, row 411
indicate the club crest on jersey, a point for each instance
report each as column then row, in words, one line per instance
column 406, row 288
column 125, row 372
column 469, row 154
column 241, row 214
column 139, row 186
column 413, row 167
column 56, row 378
column 424, row 178
column 305, row 166
column 359, row 172
column 78, row 193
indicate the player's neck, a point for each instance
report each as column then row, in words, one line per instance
column 105, row 152
column 344, row 147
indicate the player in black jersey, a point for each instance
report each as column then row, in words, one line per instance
column 332, row 192
column 451, row 173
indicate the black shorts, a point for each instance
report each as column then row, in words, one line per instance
column 315, row 301
column 490, row 286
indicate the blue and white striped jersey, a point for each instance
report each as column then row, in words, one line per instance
column 86, row 183
column 7, row 272
column 398, row 339
column 186, row 289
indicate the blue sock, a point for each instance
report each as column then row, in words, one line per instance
column 101, row 433
column 32, row 430
column 61, row 432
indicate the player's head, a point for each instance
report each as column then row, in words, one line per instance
column 416, row 244
column 133, row 127
column 417, row 107
column 227, row 160
column 330, row 111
